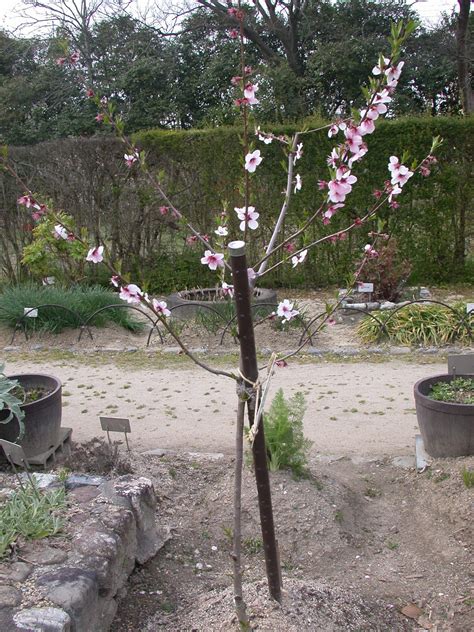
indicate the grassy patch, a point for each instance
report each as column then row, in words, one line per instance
column 68, row 307
column 31, row 514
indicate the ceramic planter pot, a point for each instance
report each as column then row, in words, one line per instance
column 447, row 428
column 42, row 417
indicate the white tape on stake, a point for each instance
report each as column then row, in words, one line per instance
column 470, row 308
column 366, row 287
column 30, row 312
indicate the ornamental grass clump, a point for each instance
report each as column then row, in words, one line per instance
column 67, row 307
column 32, row 514
column 427, row 325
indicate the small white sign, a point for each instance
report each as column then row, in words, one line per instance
column 30, row 312
column 470, row 308
column 49, row 281
column 366, row 287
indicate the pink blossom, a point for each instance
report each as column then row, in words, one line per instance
column 383, row 63
column 370, row 251
column 285, row 310
column 367, row 126
column 248, row 70
column 95, row 255
column 222, row 231
column 393, row 73
column 90, row 93
column 298, row 183
column 353, row 139
column 335, row 156
column 357, row 156
column 249, row 94
column 281, row 364
column 131, row 293
column 335, row 127
column 60, row 232
column 425, row 171
column 322, row 184
column 263, row 136
column 299, row 258
column 331, row 210
column 235, row 81
column 74, row 57
column 252, row 160
column 164, row 210
column 232, row 11
column 248, row 217
column 191, row 240
column 400, row 173
column 298, row 152
column 115, row 280
column 227, row 290
column 60, row 61
column 99, row 118
column 289, row 247
column 131, row 159
column 161, row 308
column 213, row 259
column 377, row 194
column 28, row 201
column 234, row 33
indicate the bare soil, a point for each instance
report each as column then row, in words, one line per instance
column 359, row 544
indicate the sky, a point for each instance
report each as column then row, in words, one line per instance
column 429, row 11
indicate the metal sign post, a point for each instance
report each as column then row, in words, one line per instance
column 16, row 456
column 116, row 424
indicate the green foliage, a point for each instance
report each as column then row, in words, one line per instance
column 82, row 300
column 31, row 514
column 468, row 478
column 459, row 390
column 10, row 400
column 286, row 444
column 418, row 325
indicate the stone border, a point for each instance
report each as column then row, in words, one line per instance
column 75, row 590
column 186, row 304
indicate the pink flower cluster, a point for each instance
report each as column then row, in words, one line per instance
column 343, row 157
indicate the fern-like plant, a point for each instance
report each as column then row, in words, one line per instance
column 287, row 447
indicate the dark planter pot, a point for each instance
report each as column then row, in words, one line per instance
column 447, row 428
column 42, row 418
column 186, row 304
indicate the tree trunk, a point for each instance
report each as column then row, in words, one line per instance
column 463, row 57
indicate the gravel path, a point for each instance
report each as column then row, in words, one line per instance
column 358, row 407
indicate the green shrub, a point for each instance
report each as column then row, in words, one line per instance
column 468, row 478
column 287, row 447
column 31, row 514
column 82, row 300
column 419, row 325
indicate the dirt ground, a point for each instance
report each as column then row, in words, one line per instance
column 361, row 541
column 360, row 544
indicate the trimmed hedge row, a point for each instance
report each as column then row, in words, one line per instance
column 433, row 225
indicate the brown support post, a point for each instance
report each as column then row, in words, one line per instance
column 249, row 369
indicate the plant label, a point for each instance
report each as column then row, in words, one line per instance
column 365, row 287
column 30, row 312
column 115, row 424
column 49, row 281
column 14, row 453
column 470, row 308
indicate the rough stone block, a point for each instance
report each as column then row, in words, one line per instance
column 76, row 591
column 138, row 496
column 43, row 620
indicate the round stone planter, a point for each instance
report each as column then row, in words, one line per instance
column 42, row 417
column 186, row 304
column 447, row 428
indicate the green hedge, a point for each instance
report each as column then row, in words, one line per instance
column 432, row 225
